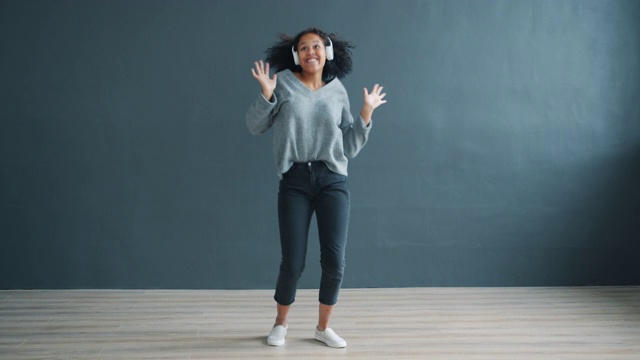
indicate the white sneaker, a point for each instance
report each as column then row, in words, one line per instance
column 276, row 336
column 330, row 338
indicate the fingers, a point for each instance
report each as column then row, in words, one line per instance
column 260, row 68
column 376, row 97
column 257, row 71
column 260, row 72
column 377, row 91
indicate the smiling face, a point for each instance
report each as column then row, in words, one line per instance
column 311, row 51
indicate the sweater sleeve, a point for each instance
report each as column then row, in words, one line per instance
column 259, row 117
column 354, row 134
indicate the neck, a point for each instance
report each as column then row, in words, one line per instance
column 311, row 80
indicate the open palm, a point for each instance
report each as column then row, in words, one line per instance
column 261, row 73
column 375, row 98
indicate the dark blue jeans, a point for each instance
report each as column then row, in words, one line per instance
column 307, row 188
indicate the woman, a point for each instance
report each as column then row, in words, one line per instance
column 314, row 134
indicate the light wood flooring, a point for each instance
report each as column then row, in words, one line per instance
column 405, row 323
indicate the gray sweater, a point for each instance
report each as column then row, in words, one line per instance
column 308, row 125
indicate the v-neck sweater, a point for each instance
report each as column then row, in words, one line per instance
column 308, row 125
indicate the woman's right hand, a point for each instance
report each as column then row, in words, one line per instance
column 261, row 73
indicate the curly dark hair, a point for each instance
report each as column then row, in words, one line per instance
column 280, row 58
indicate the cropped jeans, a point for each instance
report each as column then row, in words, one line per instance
column 307, row 188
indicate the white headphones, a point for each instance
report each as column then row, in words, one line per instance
column 328, row 50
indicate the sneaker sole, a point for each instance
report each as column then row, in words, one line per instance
column 331, row 344
column 275, row 343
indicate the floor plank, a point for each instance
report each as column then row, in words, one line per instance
column 404, row 323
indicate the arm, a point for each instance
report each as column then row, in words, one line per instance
column 259, row 116
column 371, row 102
column 355, row 134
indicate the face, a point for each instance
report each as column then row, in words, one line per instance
column 311, row 52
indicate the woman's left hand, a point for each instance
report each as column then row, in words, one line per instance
column 372, row 101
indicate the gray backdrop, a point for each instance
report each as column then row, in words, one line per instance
column 508, row 153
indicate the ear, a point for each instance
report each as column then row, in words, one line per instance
column 296, row 59
column 328, row 50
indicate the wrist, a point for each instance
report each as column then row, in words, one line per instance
column 366, row 113
column 267, row 95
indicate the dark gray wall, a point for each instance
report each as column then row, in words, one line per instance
column 508, row 153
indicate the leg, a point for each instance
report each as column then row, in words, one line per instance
column 294, row 216
column 326, row 334
column 332, row 212
column 279, row 331
column 283, row 312
column 324, row 314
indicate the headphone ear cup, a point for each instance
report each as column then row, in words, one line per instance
column 329, row 50
column 296, row 59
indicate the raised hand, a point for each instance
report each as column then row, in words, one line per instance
column 372, row 101
column 261, row 73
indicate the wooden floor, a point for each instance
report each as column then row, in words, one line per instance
column 408, row 323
